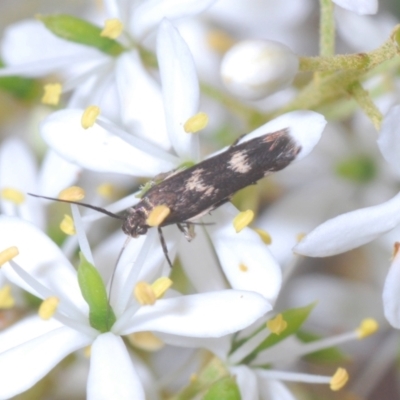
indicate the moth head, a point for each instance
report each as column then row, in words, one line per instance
column 135, row 223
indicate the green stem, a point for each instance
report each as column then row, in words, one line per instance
column 327, row 28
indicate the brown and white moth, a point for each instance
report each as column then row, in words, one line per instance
column 191, row 193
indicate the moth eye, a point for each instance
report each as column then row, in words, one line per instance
column 141, row 230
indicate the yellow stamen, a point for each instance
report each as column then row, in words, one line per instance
column 193, row 378
column 196, row 123
column 265, row 236
column 243, row 268
column 67, row 225
column 87, row 351
column 144, row 294
column 339, row 379
column 48, row 307
column 219, row 41
column 8, row 254
column 52, row 93
column 89, row 116
column 6, row 298
column 242, row 220
column 157, row 215
column 73, row 193
column 112, row 28
column 105, row 189
column 161, row 285
column 146, row 341
column 300, row 236
column 367, row 327
column 277, row 325
column 12, row 195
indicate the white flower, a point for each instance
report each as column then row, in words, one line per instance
column 359, row 6
column 43, row 344
column 361, row 226
column 253, row 69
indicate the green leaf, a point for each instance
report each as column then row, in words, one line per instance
column 101, row 315
column 21, row 88
column 294, row 317
column 328, row 355
column 80, row 31
column 224, row 389
column 360, row 169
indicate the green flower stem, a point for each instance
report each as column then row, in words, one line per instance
column 365, row 102
column 326, row 28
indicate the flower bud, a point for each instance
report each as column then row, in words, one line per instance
column 253, row 69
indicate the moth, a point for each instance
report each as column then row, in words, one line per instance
column 193, row 192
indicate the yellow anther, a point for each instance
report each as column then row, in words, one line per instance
column 8, row 254
column 219, row 41
column 193, row 378
column 300, row 236
column 67, row 225
column 396, row 248
column 157, row 215
column 89, row 116
column 105, row 189
column 339, row 379
column 146, row 341
column 196, row 123
column 144, row 294
column 6, row 298
column 161, row 285
column 367, row 327
column 265, row 236
column 48, row 307
column 243, row 268
column 112, row 28
column 12, row 195
column 87, row 351
column 277, row 325
column 242, row 220
column 73, row 193
column 52, row 93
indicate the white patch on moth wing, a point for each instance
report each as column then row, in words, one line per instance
column 195, row 182
column 239, row 163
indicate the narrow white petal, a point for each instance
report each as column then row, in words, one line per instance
column 212, row 314
column 247, row 382
column 351, row 230
column 359, row 6
column 391, row 293
column 112, row 374
column 24, row 365
column 245, row 259
column 180, row 88
column 141, row 100
column 389, row 138
column 95, row 148
column 150, row 13
column 272, row 389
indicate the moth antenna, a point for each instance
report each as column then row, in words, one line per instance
column 99, row 209
column 164, row 246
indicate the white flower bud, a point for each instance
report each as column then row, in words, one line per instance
column 253, row 69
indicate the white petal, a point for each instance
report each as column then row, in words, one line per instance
column 180, row 88
column 56, row 174
column 304, row 126
column 271, row 389
column 40, row 257
column 95, row 148
column 112, row 374
column 212, row 314
column 391, row 293
column 359, row 6
column 245, row 259
column 150, row 13
column 389, row 137
column 22, row 366
column 351, row 230
column 21, row 176
column 247, row 382
column 141, row 100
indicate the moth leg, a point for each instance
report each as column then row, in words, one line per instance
column 164, row 246
column 187, row 229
